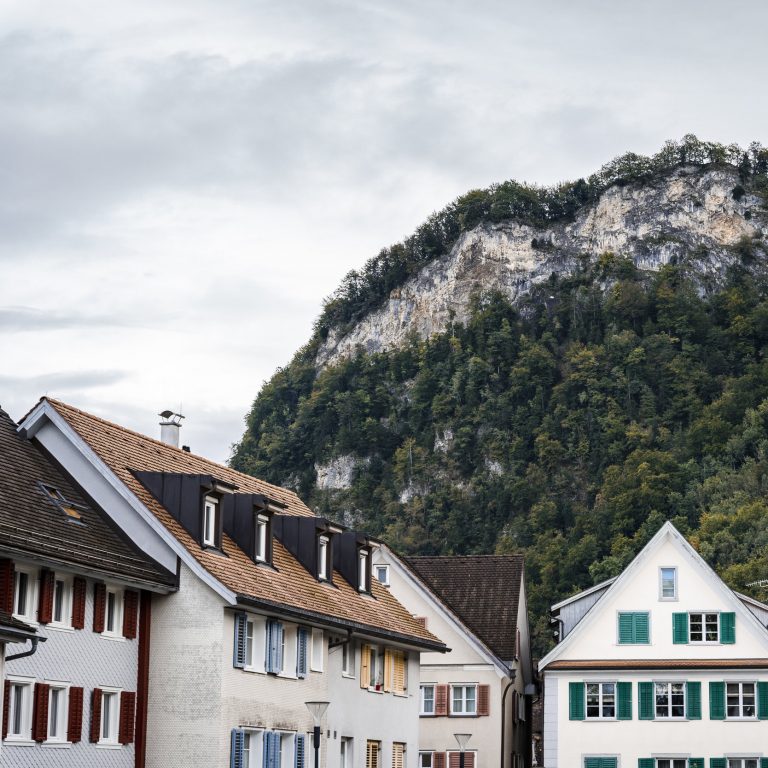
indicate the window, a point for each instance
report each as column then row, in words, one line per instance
column 668, row 585
column 601, row 701
column 62, row 602
column 428, row 700
column 348, row 659
column 398, row 754
column 376, row 655
column 24, row 595
column 425, row 759
column 262, row 531
column 670, row 700
column 316, row 662
column 743, row 762
column 382, row 574
column 110, row 714
column 275, row 646
column 20, row 710
column 322, row 558
column 210, row 507
column 345, row 753
column 113, row 612
column 372, row 749
column 251, row 748
column 463, row 699
column 634, row 627
column 740, row 699
column 704, row 627
column 362, row 578
column 671, row 762
column 57, row 712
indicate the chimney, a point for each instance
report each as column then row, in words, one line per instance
column 169, row 427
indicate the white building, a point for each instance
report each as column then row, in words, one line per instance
column 483, row 686
column 273, row 608
column 662, row 667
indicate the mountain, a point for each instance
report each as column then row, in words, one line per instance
column 548, row 370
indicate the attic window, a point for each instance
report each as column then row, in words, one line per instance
column 60, row 500
column 323, row 550
column 363, row 570
column 262, row 535
column 210, row 521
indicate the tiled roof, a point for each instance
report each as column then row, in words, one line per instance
column 482, row 590
column 31, row 522
column 641, row 664
column 9, row 621
column 289, row 584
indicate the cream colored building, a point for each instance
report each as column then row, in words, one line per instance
column 483, row 686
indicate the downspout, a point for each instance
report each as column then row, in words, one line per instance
column 30, row 652
column 513, row 674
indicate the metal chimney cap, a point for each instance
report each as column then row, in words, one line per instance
column 171, row 417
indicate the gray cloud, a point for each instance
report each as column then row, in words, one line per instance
column 61, row 381
column 32, row 319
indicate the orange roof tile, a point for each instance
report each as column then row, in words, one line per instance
column 289, row 584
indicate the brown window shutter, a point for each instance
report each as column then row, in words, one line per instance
column 483, row 700
column 6, row 707
column 45, row 604
column 99, row 606
column 95, row 715
column 469, row 760
column 127, row 717
column 40, row 713
column 130, row 613
column 78, row 602
column 438, row 760
column 75, row 716
column 441, row 699
column 6, row 585
column 454, row 760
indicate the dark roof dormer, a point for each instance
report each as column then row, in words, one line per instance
column 248, row 521
column 311, row 540
column 352, row 558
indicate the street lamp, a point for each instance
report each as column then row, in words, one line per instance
column 317, row 710
column 463, row 739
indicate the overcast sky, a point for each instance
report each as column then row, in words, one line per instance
column 182, row 182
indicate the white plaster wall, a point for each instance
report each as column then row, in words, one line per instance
column 633, row 739
column 597, row 638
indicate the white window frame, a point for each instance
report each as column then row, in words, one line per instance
column 323, row 542
column 464, row 712
column 66, row 602
column 376, row 669
column 262, row 527
column 426, row 753
column 670, row 716
column 117, row 614
column 287, row 748
column 703, row 615
column 255, row 750
column 601, row 695
column 112, row 740
column 290, row 650
column 28, row 693
column 30, row 605
column 348, row 659
column 362, row 570
column 662, row 596
column 63, row 711
column 741, row 762
column 385, row 581
column 209, row 536
column 422, row 699
column 670, row 762
column 741, row 684
column 316, row 650
column 256, row 659
column 346, row 752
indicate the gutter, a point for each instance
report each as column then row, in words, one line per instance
column 35, row 641
column 513, row 675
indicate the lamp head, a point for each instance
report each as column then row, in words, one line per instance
column 463, row 739
column 317, row 710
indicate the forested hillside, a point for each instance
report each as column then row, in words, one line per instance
column 567, row 424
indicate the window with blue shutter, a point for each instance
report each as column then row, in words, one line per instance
column 274, row 649
column 299, row 751
column 272, row 749
column 238, row 654
column 236, row 752
column 634, row 627
column 301, row 652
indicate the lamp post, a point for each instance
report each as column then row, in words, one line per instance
column 317, row 710
column 463, row 739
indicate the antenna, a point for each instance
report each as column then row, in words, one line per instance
column 762, row 583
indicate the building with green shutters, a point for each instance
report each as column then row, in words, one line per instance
column 662, row 667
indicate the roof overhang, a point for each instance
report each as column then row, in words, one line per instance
column 632, row 665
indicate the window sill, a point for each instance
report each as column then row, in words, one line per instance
column 59, row 627
column 286, row 676
column 57, row 744
column 11, row 742
column 255, row 670
column 740, row 720
column 33, row 622
column 114, row 638
column 375, row 690
column 462, row 714
column 348, row 675
column 108, row 745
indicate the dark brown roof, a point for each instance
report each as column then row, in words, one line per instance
column 33, row 523
column 482, row 590
column 289, row 584
column 9, row 621
column 642, row 664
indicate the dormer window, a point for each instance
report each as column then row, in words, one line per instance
column 210, row 521
column 262, row 537
column 323, row 551
column 363, row 570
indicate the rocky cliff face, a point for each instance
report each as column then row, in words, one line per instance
column 691, row 210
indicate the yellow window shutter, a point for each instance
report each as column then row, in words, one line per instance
column 397, row 755
column 365, row 666
column 399, row 675
column 387, row 669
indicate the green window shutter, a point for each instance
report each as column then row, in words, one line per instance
column 728, row 628
column 716, row 701
column 762, row 701
column 717, row 762
column 645, row 707
column 607, row 762
column 646, row 762
column 592, row 762
column 695, row 762
column 764, row 762
column 624, row 701
column 642, row 628
column 626, row 628
column 693, row 700
column 576, row 700
column 680, row 628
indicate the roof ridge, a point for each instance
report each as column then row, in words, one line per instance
column 518, row 555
